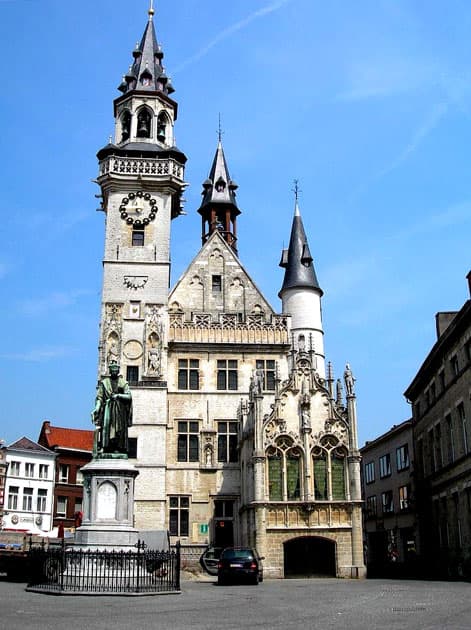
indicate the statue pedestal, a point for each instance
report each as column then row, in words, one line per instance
column 108, row 506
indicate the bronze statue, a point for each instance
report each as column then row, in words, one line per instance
column 112, row 414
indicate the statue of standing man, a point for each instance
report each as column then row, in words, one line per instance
column 112, row 414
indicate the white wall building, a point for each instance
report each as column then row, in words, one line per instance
column 29, row 487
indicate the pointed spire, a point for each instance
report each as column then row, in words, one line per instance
column 219, row 206
column 219, row 187
column 147, row 72
column 297, row 260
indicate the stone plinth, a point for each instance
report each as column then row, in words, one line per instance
column 108, row 505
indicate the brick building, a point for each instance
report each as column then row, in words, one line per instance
column 73, row 448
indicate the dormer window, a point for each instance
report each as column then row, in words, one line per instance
column 146, row 77
column 220, row 185
column 144, row 119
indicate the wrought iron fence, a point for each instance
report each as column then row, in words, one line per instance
column 72, row 570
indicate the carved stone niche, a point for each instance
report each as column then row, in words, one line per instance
column 208, row 450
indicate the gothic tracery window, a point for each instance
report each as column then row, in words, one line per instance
column 284, row 471
column 125, row 126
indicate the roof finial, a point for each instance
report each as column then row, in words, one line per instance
column 220, row 131
column 151, row 10
column 297, row 191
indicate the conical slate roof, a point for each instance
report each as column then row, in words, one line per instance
column 147, row 72
column 297, row 259
column 219, row 187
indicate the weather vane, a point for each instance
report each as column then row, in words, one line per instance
column 297, row 190
column 151, row 8
column 220, row 132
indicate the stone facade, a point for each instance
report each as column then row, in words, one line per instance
column 212, row 367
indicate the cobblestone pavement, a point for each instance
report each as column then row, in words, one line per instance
column 276, row 604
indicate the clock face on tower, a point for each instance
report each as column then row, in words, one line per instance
column 138, row 208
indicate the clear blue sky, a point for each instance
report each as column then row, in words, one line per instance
column 367, row 103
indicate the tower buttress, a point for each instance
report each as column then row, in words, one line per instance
column 301, row 294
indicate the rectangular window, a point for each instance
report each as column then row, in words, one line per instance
column 438, row 446
column 132, row 374
column 402, row 457
column 404, row 497
column 385, row 466
column 224, row 509
column 454, row 365
column 137, row 235
column 132, row 447
column 431, row 448
column 79, row 477
column 179, row 516
column 13, row 497
column 464, row 426
column 216, row 284
column 43, row 471
column 371, row 507
column 369, row 472
column 441, row 380
column 78, row 505
column 61, row 506
column 29, row 470
column 188, row 441
column 227, row 441
column 267, row 367
column 63, row 473
column 227, row 374
column 451, row 438
column 387, row 502
column 188, row 374
column 41, row 500
column 15, row 469
column 433, row 391
column 27, row 499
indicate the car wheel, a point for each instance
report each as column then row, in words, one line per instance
column 255, row 580
column 221, row 581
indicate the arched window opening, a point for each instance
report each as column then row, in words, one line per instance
column 301, row 343
column 337, row 462
column 144, row 124
column 284, row 471
column 275, row 480
column 320, row 475
column 293, row 474
column 125, row 126
column 162, row 123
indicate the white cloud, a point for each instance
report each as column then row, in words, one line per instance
column 39, row 355
column 230, row 30
column 428, row 124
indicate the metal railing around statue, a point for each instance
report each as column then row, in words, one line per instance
column 70, row 570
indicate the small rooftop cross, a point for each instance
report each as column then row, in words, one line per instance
column 297, row 190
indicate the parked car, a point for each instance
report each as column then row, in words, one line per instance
column 240, row 563
column 209, row 559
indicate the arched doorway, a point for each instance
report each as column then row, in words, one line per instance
column 309, row 556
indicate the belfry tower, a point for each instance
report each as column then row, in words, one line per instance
column 218, row 208
column 141, row 179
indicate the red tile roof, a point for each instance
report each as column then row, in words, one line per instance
column 79, row 439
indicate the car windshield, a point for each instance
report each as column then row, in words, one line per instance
column 233, row 554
